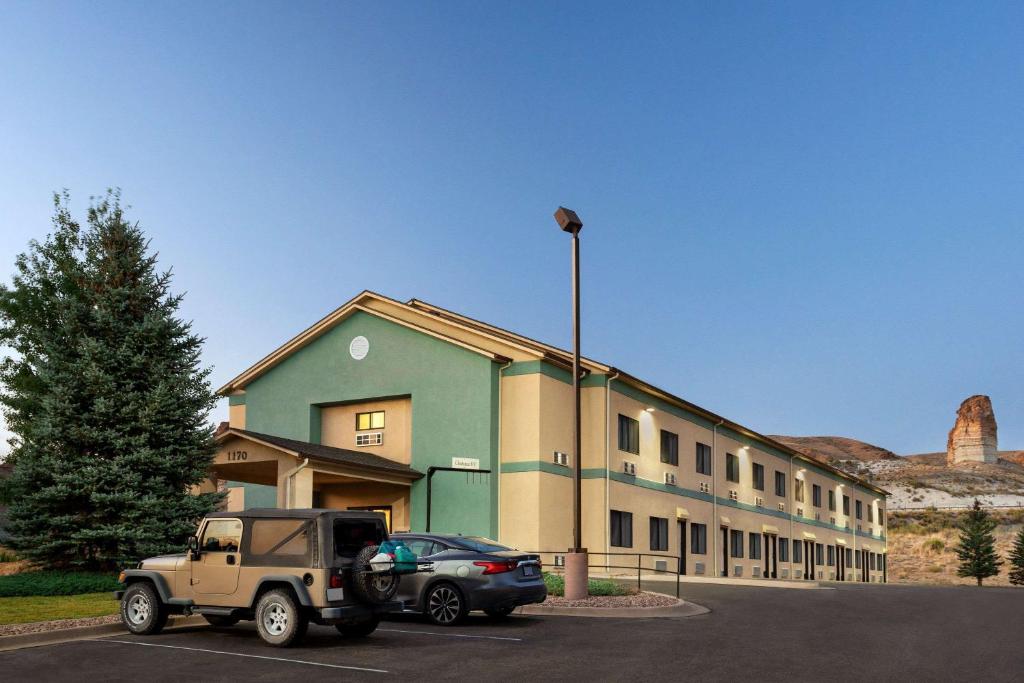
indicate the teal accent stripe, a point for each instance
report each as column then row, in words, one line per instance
column 236, row 400
column 622, row 478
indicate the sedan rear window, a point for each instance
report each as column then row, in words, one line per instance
column 479, row 544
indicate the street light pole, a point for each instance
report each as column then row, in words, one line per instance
column 576, row 562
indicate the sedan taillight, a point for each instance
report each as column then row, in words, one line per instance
column 498, row 567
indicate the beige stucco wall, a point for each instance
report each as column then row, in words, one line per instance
column 338, row 427
column 236, row 416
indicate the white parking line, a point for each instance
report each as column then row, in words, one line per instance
column 239, row 654
column 449, row 635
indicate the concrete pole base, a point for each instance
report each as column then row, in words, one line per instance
column 577, row 575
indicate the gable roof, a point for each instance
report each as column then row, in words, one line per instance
column 330, row 454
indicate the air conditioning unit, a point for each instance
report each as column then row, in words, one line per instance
column 670, row 479
column 561, row 458
column 756, row 572
column 733, row 495
column 370, row 439
column 704, row 488
column 798, row 573
column 737, row 570
column 759, row 502
column 799, row 512
column 831, row 576
column 785, row 573
column 559, row 560
column 629, row 468
column 817, row 516
column 832, row 521
column 660, row 565
column 782, row 507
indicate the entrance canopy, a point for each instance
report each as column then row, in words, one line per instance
column 340, row 477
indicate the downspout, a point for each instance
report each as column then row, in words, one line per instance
column 288, row 482
column 607, row 462
column 790, row 486
column 716, row 525
column 497, row 466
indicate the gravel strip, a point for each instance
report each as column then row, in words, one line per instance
column 56, row 625
column 645, row 599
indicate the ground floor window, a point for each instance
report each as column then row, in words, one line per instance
column 659, row 533
column 797, row 550
column 755, row 546
column 736, row 541
column 699, row 539
column 622, row 529
column 819, row 554
column 849, row 557
column 831, row 556
column 783, row 550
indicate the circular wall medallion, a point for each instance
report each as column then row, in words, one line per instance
column 359, row 347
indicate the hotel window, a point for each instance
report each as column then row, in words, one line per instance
column 816, row 495
column 797, row 551
column 849, row 557
column 374, row 420
column 819, row 554
column 780, row 483
column 860, row 510
column 669, row 447
column 629, row 435
column 871, row 513
column 831, row 500
column 703, row 458
column 699, row 539
column 831, row 556
column 857, row 558
column 798, row 490
column 783, row 550
column 659, row 533
column 736, row 541
column 732, row 467
column 881, row 516
column 846, row 505
column 755, row 546
column 622, row 529
column 758, row 472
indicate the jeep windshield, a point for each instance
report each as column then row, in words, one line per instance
column 352, row 535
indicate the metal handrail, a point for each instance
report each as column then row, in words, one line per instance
column 638, row 566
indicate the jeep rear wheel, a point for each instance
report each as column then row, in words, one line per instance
column 141, row 610
column 279, row 619
column 360, row 630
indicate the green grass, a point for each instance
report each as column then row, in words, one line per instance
column 556, row 586
column 47, row 608
column 56, row 583
column 936, row 545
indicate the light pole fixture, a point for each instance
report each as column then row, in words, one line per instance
column 576, row 562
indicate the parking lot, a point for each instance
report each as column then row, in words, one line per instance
column 855, row 632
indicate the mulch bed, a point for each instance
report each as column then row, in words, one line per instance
column 56, row 625
column 644, row 599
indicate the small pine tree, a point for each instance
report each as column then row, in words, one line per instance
column 977, row 547
column 105, row 395
column 1017, row 560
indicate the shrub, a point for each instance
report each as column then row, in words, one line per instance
column 936, row 545
column 7, row 556
column 56, row 583
column 556, row 586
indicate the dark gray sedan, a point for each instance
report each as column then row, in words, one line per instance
column 469, row 573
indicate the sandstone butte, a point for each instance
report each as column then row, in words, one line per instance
column 973, row 436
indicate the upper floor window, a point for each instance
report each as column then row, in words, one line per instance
column 780, row 483
column 871, row 513
column 629, row 435
column 846, row 505
column 758, row 474
column 374, row 420
column 669, row 447
column 703, row 458
column 860, row 510
column 816, row 495
column 732, row 467
column 798, row 490
column 831, row 500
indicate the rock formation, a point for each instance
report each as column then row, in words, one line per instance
column 973, row 437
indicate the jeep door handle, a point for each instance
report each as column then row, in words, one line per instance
column 231, row 559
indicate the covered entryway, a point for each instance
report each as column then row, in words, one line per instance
column 310, row 475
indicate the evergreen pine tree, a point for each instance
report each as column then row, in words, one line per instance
column 1017, row 560
column 105, row 395
column 977, row 547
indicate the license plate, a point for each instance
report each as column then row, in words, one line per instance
column 529, row 570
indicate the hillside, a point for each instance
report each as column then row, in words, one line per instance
column 836, row 448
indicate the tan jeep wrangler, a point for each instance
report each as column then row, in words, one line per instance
column 283, row 568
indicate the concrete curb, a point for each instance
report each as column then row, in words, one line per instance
column 66, row 635
column 681, row 609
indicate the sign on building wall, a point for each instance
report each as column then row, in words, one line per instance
column 466, row 463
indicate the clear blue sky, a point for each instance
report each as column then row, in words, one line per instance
column 804, row 216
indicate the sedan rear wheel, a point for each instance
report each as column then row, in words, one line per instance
column 445, row 605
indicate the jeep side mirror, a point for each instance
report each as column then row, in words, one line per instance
column 193, row 547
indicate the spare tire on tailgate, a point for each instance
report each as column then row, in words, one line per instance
column 370, row 588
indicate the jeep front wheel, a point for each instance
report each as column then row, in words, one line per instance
column 279, row 619
column 141, row 610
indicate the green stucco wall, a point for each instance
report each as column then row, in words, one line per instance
column 454, row 409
